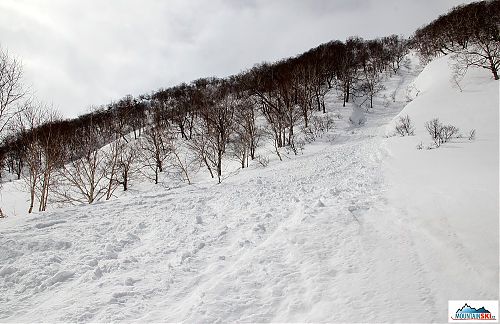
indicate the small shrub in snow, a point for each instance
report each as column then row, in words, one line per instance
column 390, row 134
column 404, row 126
column 386, row 101
column 263, row 160
column 183, row 164
column 309, row 135
column 318, row 126
column 457, row 75
column 420, row 146
column 472, row 135
column 434, row 128
column 296, row 145
column 330, row 137
column 323, row 123
column 439, row 133
column 393, row 96
column 407, row 63
column 359, row 122
column 447, row 132
column 411, row 93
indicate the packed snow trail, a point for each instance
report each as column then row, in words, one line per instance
column 292, row 243
column 313, row 238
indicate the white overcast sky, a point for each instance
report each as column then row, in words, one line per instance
column 88, row 52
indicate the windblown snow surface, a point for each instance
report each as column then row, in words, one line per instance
column 364, row 228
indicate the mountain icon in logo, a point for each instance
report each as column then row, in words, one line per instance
column 467, row 309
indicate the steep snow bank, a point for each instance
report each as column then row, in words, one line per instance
column 448, row 196
column 475, row 107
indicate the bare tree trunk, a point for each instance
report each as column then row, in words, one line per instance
column 219, row 165
column 208, row 167
column 252, row 149
column 125, row 180
column 32, row 197
column 493, row 68
column 243, row 158
column 44, row 191
column 183, row 133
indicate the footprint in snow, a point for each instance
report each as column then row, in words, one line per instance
column 260, row 228
column 61, row 276
column 320, row 204
column 7, row 270
column 334, row 192
column 130, row 281
column 48, row 224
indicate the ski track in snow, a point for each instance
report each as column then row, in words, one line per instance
column 265, row 249
column 287, row 248
column 307, row 239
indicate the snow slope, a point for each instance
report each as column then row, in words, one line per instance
column 364, row 228
column 448, row 197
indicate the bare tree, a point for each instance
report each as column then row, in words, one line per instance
column 351, row 56
column 11, row 88
column 248, row 135
column 112, row 159
column 262, row 82
column 51, row 141
column 184, row 162
column 483, row 37
column 434, row 127
column 28, row 123
column 318, row 126
column 11, row 92
column 218, row 120
column 404, row 126
column 239, row 149
column 156, row 146
column 14, row 150
column 371, row 84
column 470, row 32
column 448, row 132
column 83, row 177
column 472, row 134
column 440, row 133
column 127, row 163
column 396, row 48
column 199, row 144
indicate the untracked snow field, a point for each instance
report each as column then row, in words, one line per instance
column 362, row 228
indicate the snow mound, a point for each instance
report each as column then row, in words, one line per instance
column 449, row 195
column 437, row 96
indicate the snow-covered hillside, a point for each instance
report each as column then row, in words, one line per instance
column 364, row 228
column 448, row 198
